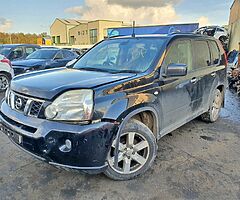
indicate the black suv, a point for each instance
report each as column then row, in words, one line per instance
column 106, row 111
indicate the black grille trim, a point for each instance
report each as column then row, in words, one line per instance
column 27, row 105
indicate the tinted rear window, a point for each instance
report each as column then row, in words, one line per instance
column 202, row 54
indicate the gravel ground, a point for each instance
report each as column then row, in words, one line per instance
column 197, row 161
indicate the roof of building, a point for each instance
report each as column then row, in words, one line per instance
column 72, row 21
column 234, row 3
column 97, row 20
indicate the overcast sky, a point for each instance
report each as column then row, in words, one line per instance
column 34, row 16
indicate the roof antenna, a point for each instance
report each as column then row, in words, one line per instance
column 133, row 29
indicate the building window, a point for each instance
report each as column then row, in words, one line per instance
column 86, row 32
column 58, row 40
column 53, row 40
column 93, row 36
column 79, row 33
column 72, row 40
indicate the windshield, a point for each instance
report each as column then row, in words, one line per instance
column 43, row 54
column 122, row 55
column 4, row 51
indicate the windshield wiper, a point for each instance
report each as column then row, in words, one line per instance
column 129, row 71
column 94, row 69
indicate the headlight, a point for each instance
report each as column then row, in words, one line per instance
column 74, row 105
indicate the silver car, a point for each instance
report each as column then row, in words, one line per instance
column 6, row 73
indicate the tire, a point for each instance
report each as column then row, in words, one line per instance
column 4, row 81
column 140, row 153
column 212, row 114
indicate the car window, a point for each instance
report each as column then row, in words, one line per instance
column 108, row 53
column 43, row 54
column 215, row 53
column 29, row 50
column 201, row 54
column 220, row 30
column 122, row 55
column 16, row 53
column 5, row 51
column 67, row 54
column 179, row 53
column 59, row 55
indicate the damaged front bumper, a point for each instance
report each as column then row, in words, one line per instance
column 87, row 145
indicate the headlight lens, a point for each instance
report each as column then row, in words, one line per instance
column 74, row 105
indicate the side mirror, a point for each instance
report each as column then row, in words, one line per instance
column 176, row 69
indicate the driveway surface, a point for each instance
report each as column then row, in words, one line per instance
column 197, row 161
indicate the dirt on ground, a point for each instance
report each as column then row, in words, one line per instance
column 197, row 161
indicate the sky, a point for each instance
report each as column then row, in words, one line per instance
column 36, row 16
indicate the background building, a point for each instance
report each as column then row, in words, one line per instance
column 234, row 25
column 92, row 32
column 59, row 30
column 78, row 32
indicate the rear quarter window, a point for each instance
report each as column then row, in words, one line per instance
column 202, row 56
column 215, row 52
column 67, row 54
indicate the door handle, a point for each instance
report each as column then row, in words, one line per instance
column 194, row 80
column 213, row 74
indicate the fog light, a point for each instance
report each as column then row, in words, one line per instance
column 67, row 147
column 51, row 112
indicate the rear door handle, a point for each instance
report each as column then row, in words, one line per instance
column 194, row 80
column 213, row 74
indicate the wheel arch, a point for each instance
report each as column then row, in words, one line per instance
column 143, row 114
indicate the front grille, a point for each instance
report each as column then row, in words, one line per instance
column 18, row 70
column 35, row 109
column 26, row 105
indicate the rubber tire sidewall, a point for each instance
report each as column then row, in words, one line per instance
column 142, row 129
column 208, row 116
column 8, row 78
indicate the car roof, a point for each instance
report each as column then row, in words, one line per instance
column 166, row 36
column 18, row 45
column 49, row 49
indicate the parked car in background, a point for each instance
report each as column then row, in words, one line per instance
column 232, row 61
column 6, row 73
column 43, row 59
column 218, row 32
column 17, row 51
column 105, row 112
column 75, row 50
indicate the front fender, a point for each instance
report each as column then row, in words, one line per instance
column 121, row 107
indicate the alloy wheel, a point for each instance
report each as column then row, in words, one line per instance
column 217, row 103
column 4, row 82
column 132, row 155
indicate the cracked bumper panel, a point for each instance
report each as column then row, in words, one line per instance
column 89, row 143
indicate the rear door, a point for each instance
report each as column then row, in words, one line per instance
column 207, row 58
column 202, row 72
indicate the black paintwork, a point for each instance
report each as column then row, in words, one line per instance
column 173, row 101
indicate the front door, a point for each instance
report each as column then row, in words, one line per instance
column 177, row 94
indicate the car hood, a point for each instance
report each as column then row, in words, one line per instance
column 28, row 62
column 47, row 84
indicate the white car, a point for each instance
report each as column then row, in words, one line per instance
column 6, row 73
column 218, row 32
